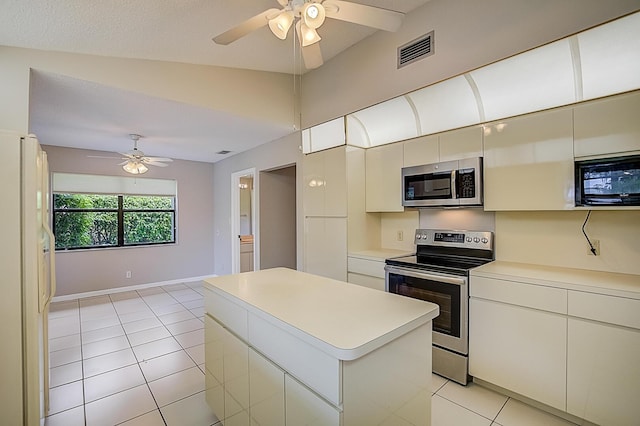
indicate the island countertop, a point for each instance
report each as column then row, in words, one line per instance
column 343, row 320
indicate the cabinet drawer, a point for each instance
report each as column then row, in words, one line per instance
column 610, row 309
column 366, row 281
column 232, row 316
column 372, row 268
column 521, row 294
column 308, row 364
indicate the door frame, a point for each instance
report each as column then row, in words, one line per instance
column 235, row 219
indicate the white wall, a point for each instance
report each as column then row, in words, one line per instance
column 468, row 34
column 276, row 154
column 93, row 270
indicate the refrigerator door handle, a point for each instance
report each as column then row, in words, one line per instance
column 52, row 262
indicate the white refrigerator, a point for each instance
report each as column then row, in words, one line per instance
column 27, row 271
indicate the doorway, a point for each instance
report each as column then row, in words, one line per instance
column 243, row 221
column 278, row 228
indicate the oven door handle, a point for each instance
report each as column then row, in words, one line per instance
column 426, row 275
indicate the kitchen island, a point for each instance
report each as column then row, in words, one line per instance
column 287, row 347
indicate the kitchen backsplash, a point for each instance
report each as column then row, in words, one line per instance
column 471, row 219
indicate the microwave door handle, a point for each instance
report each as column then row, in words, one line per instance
column 454, row 185
column 426, row 276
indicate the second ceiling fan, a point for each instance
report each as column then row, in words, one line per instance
column 308, row 16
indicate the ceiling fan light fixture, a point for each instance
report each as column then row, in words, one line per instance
column 280, row 24
column 135, row 168
column 313, row 15
column 309, row 35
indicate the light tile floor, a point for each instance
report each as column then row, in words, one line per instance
column 137, row 358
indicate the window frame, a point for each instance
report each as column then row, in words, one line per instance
column 120, row 213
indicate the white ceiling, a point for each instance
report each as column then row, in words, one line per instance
column 70, row 112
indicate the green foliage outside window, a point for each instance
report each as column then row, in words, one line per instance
column 91, row 220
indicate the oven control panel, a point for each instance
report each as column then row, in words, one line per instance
column 451, row 238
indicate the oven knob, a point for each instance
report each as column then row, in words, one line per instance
column 469, row 239
column 476, row 240
column 485, row 241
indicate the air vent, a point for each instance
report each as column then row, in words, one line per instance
column 415, row 50
column 223, row 152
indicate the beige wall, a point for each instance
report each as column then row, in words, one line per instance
column 251, row 94
column 276, row 154
column 555, row 239
column 468, row 35
column 192, row 256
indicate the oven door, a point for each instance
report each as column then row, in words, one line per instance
column 449, row 292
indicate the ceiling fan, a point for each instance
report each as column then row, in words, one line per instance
column 135, row 160
column 308, row 16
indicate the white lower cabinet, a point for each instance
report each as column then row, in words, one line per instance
column 214, row 369
column 573, row 350
column 303, row 407
column 603, row 376
column 236, row 380
column 266, row 391
column 520, row 349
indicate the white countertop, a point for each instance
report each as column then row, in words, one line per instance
column 609, row 283
column 344, row 320
column 379, row 254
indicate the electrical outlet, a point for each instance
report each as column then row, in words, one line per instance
column 399, row 236
column 128, row 274
column 596, row 245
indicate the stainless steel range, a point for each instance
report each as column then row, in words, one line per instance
column 439, row 273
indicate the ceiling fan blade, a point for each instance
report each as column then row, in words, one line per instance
column 246, row 27
column 283, row 3
column 160, row 159
column 123, row 163
column 369, row 16
column 155, row 163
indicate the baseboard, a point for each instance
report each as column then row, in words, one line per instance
column 127, row 288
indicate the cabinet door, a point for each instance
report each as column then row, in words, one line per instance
column 326, row 247
column 520, row 349
column 266, row 391
column 313, row 192
column 419, row 151
column 304, row 407
column 384, row 178
column 213, row 362
column 608, row 126
column 236, row 380
column 528, row 163
column 460, row 144
column 325, row 183
column 603, row 377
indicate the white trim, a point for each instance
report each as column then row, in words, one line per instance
column 235, row 218
column 127, row 288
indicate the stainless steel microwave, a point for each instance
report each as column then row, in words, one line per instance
column 450, row 183
column 608, row 181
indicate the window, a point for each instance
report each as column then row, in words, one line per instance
column 123, row 212
column 94, row 220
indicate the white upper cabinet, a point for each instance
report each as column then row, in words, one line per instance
column 607, row 126
column 384, row 178
column 528, row 162
column 447, row 146
column 325, row 183
column 461, row 144
column 422, row 150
